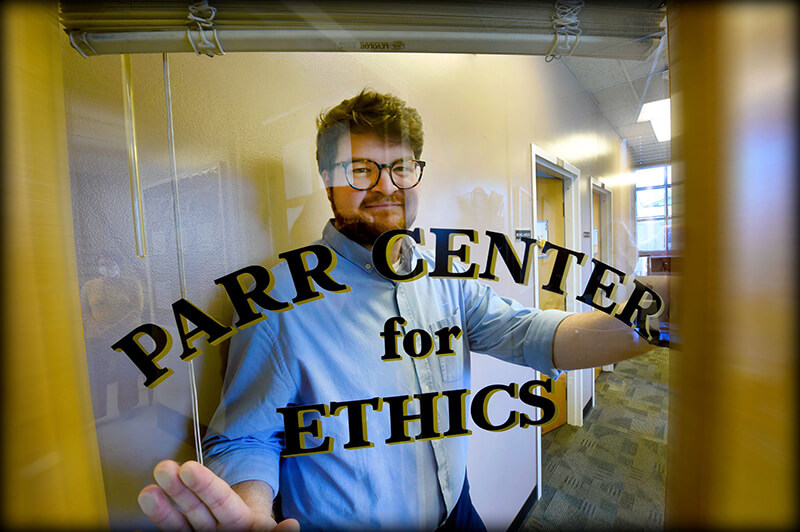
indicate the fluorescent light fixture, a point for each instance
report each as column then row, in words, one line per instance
column 657, row 113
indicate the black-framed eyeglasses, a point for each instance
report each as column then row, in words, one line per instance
column 363, row 174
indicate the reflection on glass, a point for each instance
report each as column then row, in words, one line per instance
column 110, row 302
column 641, row 266
column 649, row 177
column 650, row 235
column 550, row 198
column 669, row 201
column 596, row 233
column 249, row 189
column 669, row 234
column 650, row 202
column 654, row 208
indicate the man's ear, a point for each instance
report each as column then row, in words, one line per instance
column 327, row 184
column 327, row 181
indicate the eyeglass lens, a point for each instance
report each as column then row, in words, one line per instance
column 365, row 174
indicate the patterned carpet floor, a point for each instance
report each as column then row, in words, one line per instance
column 609, row 473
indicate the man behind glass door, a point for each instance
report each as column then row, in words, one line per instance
column 368, row 154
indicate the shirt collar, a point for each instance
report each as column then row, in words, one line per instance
column 358, row 254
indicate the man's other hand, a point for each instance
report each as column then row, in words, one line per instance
column 191, row 497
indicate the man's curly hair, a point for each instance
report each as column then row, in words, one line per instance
column 368, row 112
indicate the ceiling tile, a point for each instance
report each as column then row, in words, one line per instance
column 618, row 87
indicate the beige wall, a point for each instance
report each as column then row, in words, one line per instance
column 244, row 127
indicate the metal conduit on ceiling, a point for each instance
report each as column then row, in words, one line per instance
column 610, row 29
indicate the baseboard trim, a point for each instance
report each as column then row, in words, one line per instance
column 519, row 520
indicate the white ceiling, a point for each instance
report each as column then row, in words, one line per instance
column 620, row 87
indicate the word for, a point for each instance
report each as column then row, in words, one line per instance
column 399, row 417
column 390, row 334
column 192, row 323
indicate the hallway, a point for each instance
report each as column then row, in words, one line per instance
column 610, row 472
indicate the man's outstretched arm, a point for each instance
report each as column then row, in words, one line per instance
column 591, row 339
column 192, row 497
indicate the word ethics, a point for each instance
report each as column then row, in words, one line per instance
column 399, row 417
column 310, row 282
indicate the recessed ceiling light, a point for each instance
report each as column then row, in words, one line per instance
column 657, row 113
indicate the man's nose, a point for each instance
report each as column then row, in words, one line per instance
column 385, row 184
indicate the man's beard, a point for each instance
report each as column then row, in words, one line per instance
column 363, row 232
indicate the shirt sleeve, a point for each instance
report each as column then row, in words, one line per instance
column 245, row 435
column 503, row 328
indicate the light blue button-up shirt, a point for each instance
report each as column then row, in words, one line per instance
column 330, row 350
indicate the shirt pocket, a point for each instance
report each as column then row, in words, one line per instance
column 451, row 365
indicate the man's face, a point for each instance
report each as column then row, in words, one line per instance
column 362, row 215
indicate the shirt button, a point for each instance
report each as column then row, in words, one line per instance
column 368, row 266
